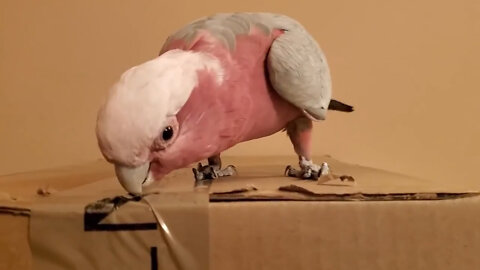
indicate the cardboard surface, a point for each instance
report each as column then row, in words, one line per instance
column 382, row 221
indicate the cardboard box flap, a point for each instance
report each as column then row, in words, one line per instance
column 25, row 187
column 19, row 191
column 263, row 179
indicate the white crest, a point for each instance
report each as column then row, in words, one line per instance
column 139, row 103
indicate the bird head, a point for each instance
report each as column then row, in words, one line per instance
column 137, row 125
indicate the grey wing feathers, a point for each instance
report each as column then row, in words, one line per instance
column 299, row 72
column 224, row 27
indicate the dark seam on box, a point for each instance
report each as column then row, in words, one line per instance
column 235, row 191
column 16, row 211
column 311, row 196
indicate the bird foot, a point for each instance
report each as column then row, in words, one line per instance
column 209, row 172
column 308, row 170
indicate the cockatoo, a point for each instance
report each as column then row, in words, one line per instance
column 218, row 81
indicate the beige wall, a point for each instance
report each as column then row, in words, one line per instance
column 411, row 68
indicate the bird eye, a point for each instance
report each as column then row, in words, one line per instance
column 167, row 133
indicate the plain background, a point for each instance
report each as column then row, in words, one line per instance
column 410, row 68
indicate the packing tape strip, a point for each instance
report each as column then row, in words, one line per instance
column 180, row 255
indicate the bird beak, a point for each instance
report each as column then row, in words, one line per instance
column 133, row 179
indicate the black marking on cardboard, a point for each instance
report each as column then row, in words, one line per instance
column 153, row 258
column 97, row 211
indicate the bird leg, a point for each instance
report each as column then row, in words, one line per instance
column 299, row 131
column 213, row 169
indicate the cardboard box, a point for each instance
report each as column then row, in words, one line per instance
column 257, row 220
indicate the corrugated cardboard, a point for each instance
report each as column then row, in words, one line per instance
column 259, row 219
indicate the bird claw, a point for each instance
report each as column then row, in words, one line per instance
column 309, row 172
column 210, row 172
column 228, row 171
column 316, row 173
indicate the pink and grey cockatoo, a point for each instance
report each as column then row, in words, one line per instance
column 218, row 81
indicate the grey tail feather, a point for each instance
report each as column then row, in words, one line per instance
column 336, row 105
